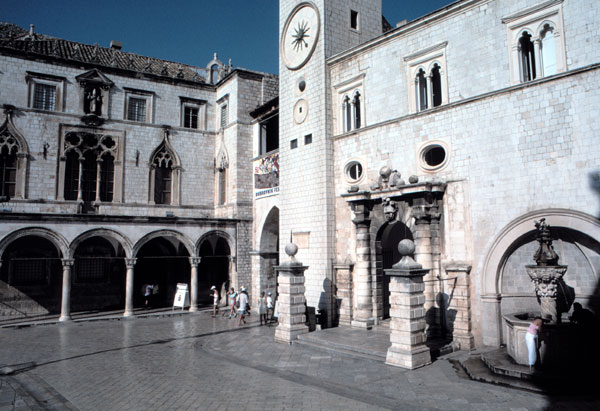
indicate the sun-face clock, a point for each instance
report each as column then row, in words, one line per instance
column 300, row 35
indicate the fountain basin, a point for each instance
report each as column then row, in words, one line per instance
column 558, row 343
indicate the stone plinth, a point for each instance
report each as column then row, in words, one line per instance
column 343, row 276
column 291, row 300
column 458, row 276
column 407, row 299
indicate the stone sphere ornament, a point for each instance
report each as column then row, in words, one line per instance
column 413, row 179
column 385, row 172
column 291, row 249
column 406, row 247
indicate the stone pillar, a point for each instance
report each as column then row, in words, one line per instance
column 65, row 306
column 194, row 261
column 363, row 298
column 457, row 276
column 291, row 300
column 408, row 349
column 423, row 255
column 130, row 264
column 343, row 280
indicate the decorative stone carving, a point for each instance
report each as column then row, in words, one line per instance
column 413, row 179
column 390, row 210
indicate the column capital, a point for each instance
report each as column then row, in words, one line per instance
column 130, row 262
column 195, row 260
column 67, row 262
column 361, row 211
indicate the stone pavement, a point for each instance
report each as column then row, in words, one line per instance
column 195, row 362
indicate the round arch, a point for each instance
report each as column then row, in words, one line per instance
column 106, row 233
column 218, row 233
column 55, row 238
column 268, row 222
column 502, row 247
column 164, row 233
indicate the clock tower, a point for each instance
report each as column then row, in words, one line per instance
column 310, row 33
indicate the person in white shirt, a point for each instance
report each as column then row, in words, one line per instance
column 215, row 296
column 269, row 307
column 243, row 301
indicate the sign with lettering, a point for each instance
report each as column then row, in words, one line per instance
column 266, row 176
column 182, row 296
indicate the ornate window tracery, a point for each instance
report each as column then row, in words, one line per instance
column 14, row 156
column 165, row 174
column 89, row 168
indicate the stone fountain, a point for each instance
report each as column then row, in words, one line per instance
column 557, row 340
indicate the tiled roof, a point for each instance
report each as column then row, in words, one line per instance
column 18, row 39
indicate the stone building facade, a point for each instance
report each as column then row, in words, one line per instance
column 119, row 171
column 456, row 130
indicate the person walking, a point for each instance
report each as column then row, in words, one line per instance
column 270, row 307
column 233, row 301
column 243, row 301
column 262, row 308
column 215, row 296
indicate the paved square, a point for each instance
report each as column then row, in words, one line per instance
column 195, row 362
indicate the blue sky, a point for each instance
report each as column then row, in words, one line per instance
column 186, row 31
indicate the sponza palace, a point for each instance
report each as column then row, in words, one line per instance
column 456, row 130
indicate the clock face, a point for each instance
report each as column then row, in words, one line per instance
column 300, row 35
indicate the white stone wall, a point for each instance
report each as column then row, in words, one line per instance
column 477, row 53
column 535, row 150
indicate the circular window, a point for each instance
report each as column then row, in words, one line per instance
column 353, row 171
column 433, row 156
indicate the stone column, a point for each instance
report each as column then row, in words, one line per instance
column 292, row 310
column 363, row 294
column 130, row 264
column 343, row 280
column 408, row 349
column 194, row 261
column 423, row 255
column 65, row 306
column 457, row 276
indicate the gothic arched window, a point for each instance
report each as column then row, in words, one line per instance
column 8, row 170
column 163, row 165
column 165, row 174
column 89, row 168
column 436, row 85
column 527, row 55
column 421, row 81
column 347, row 113
column 14, row 155
column 356, row 109
column 549, row 63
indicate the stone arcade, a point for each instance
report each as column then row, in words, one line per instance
column 456, row 131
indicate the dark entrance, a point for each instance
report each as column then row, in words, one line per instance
column 31, row 277
column 98, row 281
column 162, row 262
column 213, row 268
column 387, row 255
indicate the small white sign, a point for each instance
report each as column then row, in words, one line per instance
column 182, row 297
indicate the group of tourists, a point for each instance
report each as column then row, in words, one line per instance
column 240, row 305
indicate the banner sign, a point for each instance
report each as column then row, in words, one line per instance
column 266, row 176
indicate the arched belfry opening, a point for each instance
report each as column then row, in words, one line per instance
column 163, row 261
column 386, row 249
column 214, row 267
column 31, row 277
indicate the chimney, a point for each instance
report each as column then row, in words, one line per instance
column 31, row 29
column 401, row 23
column 116, row 45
